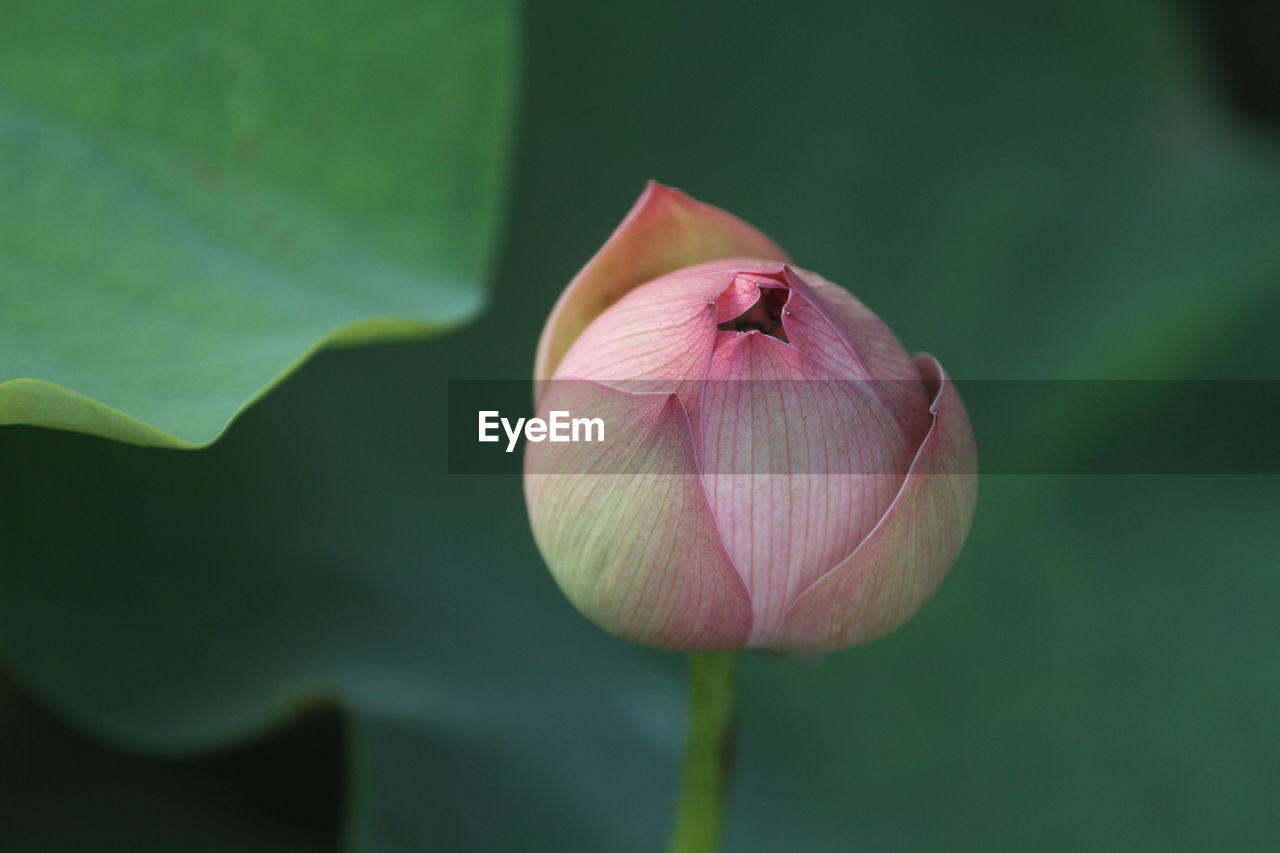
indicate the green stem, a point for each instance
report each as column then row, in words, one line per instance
column 708, row 753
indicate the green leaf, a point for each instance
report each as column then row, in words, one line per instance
column 461, row 671
column 196, row 199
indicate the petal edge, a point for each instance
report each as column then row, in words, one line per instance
column 900, row 564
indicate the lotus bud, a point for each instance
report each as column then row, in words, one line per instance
column 780, row 474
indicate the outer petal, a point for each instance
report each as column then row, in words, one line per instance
column 799, row 465
column 663, row 330
column 665, row 231
column 829, row 324
column 903, row 560
column 632, row 541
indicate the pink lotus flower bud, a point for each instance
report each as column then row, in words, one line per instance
column 779, row 474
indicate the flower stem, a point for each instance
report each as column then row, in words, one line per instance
column 708, row 753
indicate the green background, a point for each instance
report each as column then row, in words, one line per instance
column 1060, row 191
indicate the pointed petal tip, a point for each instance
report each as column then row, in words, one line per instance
column 666, row 230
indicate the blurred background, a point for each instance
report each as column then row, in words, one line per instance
column 308, row 637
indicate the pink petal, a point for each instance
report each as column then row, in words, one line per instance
column 632, row 542
column 740, row 295
column 799, row 464
column 826, row 322
column 659, row 336
column 900, row 564
column 665, row 231
column 663, row 330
